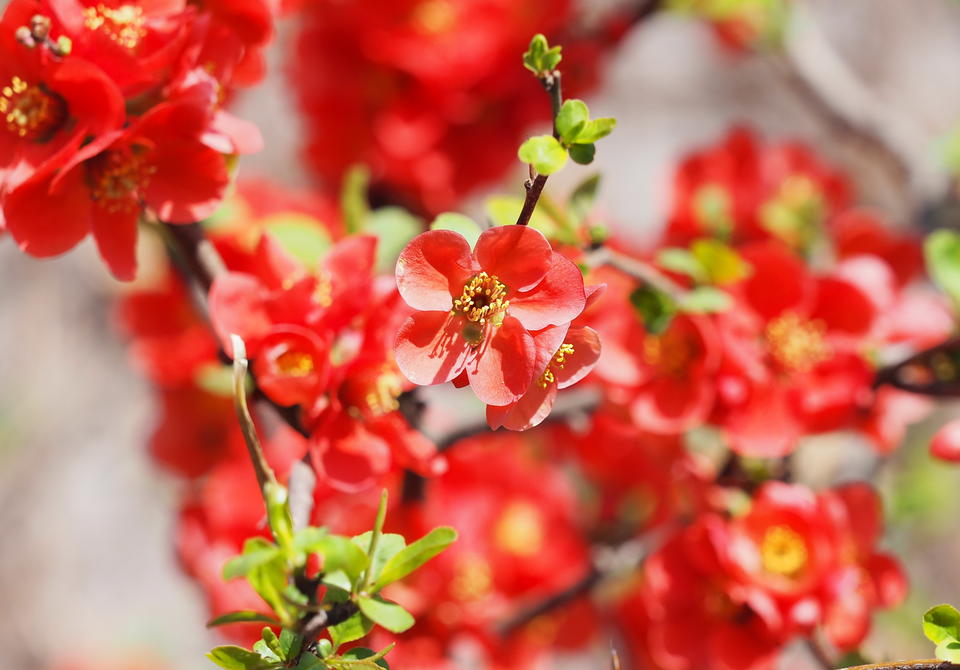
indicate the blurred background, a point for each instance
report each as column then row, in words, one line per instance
column 87, row 565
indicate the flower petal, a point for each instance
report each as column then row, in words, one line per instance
column 530, row 410
column 558, row 298
column 518, row 256
column 504, row 366
column 430, row 348
column 586, row 353
column 116, row 236
column 44, row 223
column 238, row 306
column 432, row 268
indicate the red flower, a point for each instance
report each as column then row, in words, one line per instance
column 478, row 308
column 48, row 108
column 750, row 190
column 159, row 162
column 559, row 366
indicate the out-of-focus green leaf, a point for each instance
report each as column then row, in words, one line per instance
column 393, row 227
column 458, row 223
column 301, row 236
column 241, row 617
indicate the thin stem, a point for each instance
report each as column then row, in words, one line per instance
column 642, row 272
column 534, row 186
column 264, row 472
column 368, row 575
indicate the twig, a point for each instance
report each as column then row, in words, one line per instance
column 265, row 476
column 642, row 272
column 567, row 595
column 932, row 372
column 534, row 185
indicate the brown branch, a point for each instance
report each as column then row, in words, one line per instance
column 534, row 186
column 639, row 270
column 579, row 588
column 932, row 372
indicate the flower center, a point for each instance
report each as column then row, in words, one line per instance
column 795, row 344
column 556, row 363
column 29, row 111
column 783, row 552
column 116, row 177
column 472, row 579
column 669, row 354
column 795, row 212
column 382, row 398
column 519, row 530
column 295, row 363
column 483, row 299
column 123, row 24
column 434, row 16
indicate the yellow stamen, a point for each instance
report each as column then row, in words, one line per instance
column 30, row 111
column 796, row 344
column 556, row 363
column 783, row 552
column 123, row 24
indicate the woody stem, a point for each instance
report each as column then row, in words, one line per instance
column 534, row 185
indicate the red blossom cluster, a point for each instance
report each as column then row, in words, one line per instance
column 633, row 494
column 818, row 294
column 111, row 111
column 427, row 92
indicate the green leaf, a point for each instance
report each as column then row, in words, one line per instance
column 266, row 652
column 571, row 119
column 361, row 653
column 389, row 545
column 324, row 647
column 237, row 658
column 394, row 227
column 310, row 662
column 352, row 629
column 353, row 199
column 544, row 152
column 269, row 580
column 339, row 553
column 949, row 651
column 540, row 58
column 388, row 614
column 582, row 199
column 595, row 130
column 256, row 551
column 338, row 579
column 722, row 263
column 942, row 252
column 682, row 262
column 654, row 308
column 583, row 154
column 245, row 616
column 942, row 624
column 414, row 555
column 290, row 643
column 705, row 300
column 533, row 56
column 300, row 235
column 278, row 516
column 458, row 223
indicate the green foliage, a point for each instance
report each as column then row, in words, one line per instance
column 245, row 616
column 941, row 625
column 708, row 261
column 653, row 307
column 942, row 253
column 384, row 613
column 578, row 131
column 300, row 235
column 704, row 300
column 582, row 199
column 353, row 199
column 458, row 223
column 354, row 570
column 544, row 153
column 540, row 58
column 411, row 557
column 393, row 228
column 583, row 154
